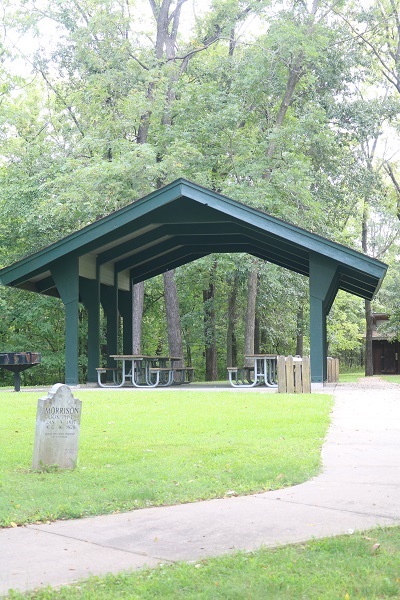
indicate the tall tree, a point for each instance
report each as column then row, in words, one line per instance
column 231, row 341
column 173, row 316
column 304, row 29
column 251, row 311
column 209, row 326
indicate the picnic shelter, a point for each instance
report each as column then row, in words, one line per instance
column 172, row 226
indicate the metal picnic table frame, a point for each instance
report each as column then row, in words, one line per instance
column 264, row 368
column 142, row 371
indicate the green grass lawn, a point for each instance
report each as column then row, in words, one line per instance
column 357, row 375
column 390, row 378
column 140, row 449
column 360, row 566
column 351, row 377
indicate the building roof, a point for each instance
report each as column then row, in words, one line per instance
column 182, row 222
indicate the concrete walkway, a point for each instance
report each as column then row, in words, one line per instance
column 359, row 488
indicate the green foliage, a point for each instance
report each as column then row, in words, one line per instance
column 346, row 326
column 31, row 322
column 70, row 148
column 48, row 468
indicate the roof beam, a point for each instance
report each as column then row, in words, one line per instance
column 171, row 261
column 221, row 243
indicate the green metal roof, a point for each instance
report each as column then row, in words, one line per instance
column 178, row 224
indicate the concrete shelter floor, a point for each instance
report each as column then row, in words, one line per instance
column 358, row 488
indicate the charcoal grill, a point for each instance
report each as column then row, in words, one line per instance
column 17, row 362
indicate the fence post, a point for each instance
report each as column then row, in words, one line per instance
column 294, row 375
column 298, row 367
column 329, row 369
column 281, row 368
column 289, row 375
column 332, row 369
column 306, row 373
column 336, row 369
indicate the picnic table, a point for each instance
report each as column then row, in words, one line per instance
column 263, row 372
column 143, row 371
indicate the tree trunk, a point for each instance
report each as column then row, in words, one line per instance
column 251, row 312
column 137, row 316
column 173, row 317
column 209, row 329
column 231, row 353
column 188, row 355
column 257, row 335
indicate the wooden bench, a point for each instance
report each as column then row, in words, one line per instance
column 159, row 372
column 185, row 375
column 102, row 370
column 241, row 375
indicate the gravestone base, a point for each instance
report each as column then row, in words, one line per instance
column 58, row 419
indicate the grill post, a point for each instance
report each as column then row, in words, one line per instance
column 17, row 381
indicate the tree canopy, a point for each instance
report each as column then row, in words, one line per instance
column 291, row 107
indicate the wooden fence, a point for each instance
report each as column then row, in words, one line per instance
column 294, row 374
column 332, row 370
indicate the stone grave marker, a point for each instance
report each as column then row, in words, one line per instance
column 58, row 419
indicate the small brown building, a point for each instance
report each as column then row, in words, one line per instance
column 385, row 353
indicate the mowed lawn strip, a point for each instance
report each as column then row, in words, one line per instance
column 358, row 376
column 140, row 449
column 360, row 566
column 353, row 377
column 390, row 378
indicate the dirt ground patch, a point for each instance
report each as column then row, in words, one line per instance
column 368, row 383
